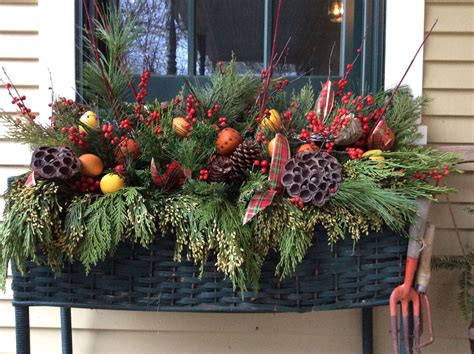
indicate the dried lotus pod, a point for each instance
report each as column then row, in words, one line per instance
column 312, row 176
column 55, row 162
column 350, row 133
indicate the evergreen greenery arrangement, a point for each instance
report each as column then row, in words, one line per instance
column 207, row 167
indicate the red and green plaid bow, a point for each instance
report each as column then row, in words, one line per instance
column 174, row 175
column 281, row 154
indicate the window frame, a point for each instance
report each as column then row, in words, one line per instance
column 359, row 16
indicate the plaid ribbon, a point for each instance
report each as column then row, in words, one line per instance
column 174, row 175
column 280, row 155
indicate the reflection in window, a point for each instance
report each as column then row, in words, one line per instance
column 224, row 27
column 312, row 34
column 162, row 43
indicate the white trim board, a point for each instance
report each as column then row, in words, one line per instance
column 57, row 51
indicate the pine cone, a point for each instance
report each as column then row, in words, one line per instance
column 220, row 168
column 243, row 158
column 313, row 177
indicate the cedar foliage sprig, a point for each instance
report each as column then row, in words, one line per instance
column 32, row 220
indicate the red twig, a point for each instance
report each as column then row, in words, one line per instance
column 92, row 39
column 384, row 108
column 272, row 63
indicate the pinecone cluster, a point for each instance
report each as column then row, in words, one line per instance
column 52, row 162
column 233, row 167
column 312, row 176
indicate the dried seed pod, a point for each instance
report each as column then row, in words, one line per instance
column 55, row 162
column 312, row 176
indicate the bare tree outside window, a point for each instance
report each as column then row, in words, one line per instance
column 161, row 44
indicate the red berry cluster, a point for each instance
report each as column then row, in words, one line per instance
column 76, row 137
column 437, row 173
column 296, row 106
column 203, row 175
column 280, row 85
column 261, row 138
column 341, row 84
column 108, row 130
column 355, row 153
column 127, row 124
column 119, row 169
column 143, row 85
column 87, row 184
column 210, row 112
column 315, row 123
column 19, row 101
column 264, row 74
column 222, row 122
column 288, row 115
column 305, row 134
column 263, row 164
column 153, row 119
column 191, row 105
column 296, row 201
column 221, row 64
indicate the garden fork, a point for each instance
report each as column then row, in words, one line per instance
column 405, row 293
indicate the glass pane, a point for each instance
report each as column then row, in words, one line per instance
column 313, row 31
column 162, row 43
column 224, row 27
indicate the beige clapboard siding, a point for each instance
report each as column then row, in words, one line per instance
column 449, row 129
column 452, row 17
column 449, row 102
column 446, row 75
column 450, row 47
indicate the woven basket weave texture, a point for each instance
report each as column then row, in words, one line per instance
column 135, row 278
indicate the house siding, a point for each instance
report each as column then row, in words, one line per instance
column 448, row 80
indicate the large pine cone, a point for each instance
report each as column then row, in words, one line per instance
column 243, row 158
column 220, row 168
column 312, row 176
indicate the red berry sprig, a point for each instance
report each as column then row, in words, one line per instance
column 263, row 164
column 143, row 85
column 203, row 175
column 355, row 153
column 76, row 137
column 296, row 201
column 191, row 107
column 222, row 122
column 19, row 101
column 436, row 173
column 87, row 184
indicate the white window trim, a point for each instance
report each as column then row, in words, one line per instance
column 57, row 51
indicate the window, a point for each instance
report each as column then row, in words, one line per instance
column 187, row 38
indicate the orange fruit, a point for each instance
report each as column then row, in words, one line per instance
column 307, row 148
column 91, row 165
column 270, row 147
column 128, row 148
column 181, row 127
column 111, row 183
column 273, row 122
column 227, row 141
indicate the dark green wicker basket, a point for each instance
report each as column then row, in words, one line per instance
column 135, row 278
